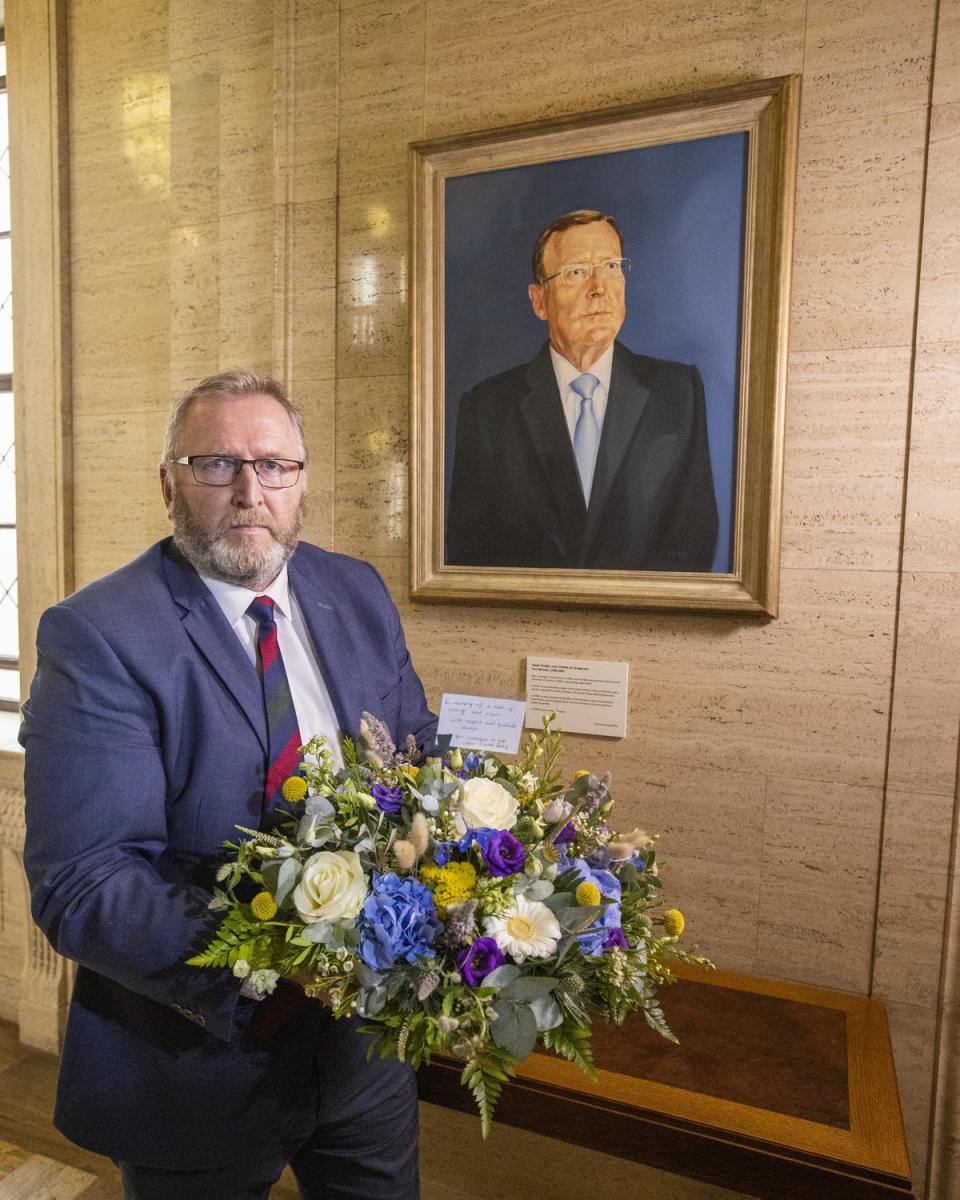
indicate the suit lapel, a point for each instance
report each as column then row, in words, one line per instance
column 625, row 404
column 332, row 642
column 209, row 630
column 541, row 413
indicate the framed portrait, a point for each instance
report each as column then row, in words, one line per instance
column 600, row 309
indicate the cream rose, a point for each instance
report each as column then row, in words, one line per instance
column 332, row 886
column 486, row 805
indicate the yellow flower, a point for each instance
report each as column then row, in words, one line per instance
column 580, row 774
column 451, row 884
column 294, row 789
column 587, row 894
column 263, row 906
column 673, row 922
column 410, row 772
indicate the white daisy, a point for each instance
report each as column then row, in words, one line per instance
column 528, row 929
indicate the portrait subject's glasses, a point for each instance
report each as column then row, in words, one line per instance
column 220, row 470
column 609, row 268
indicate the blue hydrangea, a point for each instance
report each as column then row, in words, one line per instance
column 398, row 921
column 595, row 938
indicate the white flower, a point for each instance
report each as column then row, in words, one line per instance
column 241, row 968
column 528, row 929
column 490, row 767
column 557, row 810
column 527, row 781
column 264, row 982
column 486, row 805
column 332, row 886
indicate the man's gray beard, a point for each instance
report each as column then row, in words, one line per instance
column 213, row 555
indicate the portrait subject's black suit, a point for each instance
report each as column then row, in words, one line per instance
column 516, row 500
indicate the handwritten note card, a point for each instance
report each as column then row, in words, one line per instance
column 587, row 696
column 482, row 722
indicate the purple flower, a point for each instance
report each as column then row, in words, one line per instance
column 389, row 799
column 503, row 854
column 473, row 762
column 479, row 960
column 566, row 834
column 398, row 921
column 442, row 852
column 616, row 938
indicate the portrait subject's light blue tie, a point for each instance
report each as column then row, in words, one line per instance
column 586, row 434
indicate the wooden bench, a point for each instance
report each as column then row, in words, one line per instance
column 777, row 1090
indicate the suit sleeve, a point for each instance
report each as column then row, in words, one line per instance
column 103, row 892
column 691, row 534
column 469, row 513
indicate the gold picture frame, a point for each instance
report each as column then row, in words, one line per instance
column 708, row 179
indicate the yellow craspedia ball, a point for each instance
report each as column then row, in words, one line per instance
column 587, row 893
column 580, row 774
column 263, row 906
column 294, row 789
column 673, row 922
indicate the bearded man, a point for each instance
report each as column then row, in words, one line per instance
column 151, row 732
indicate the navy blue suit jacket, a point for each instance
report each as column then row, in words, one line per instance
column 146, row 744
column 515, row 496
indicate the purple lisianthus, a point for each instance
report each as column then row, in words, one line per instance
column 398, row 921
column 616, row 939
column 503, row 854
column 478, row 960
column 389, row 799
column 566, row 834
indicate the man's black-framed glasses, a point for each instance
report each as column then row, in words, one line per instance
column 220, row 470
column 607, row 268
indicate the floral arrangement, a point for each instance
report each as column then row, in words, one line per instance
column 464, row 906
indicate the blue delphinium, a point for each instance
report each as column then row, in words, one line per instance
column 398, row 921
column 595, row 939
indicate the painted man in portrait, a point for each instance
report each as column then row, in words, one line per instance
column 588, row 456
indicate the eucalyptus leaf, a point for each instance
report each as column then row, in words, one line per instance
column 515, row 1028
column 529, row 987
column 575, row 920
column 540, row 889
column 547, row 1012
column 287, row 879
column 319, row 807
column 319, row 931
column 501, row 976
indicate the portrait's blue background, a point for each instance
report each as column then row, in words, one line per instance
column 681, row 210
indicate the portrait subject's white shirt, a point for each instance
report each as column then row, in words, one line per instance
column 311, row 700
column 566, row 373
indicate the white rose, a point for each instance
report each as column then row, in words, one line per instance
column 332, row 886
column 486, row 805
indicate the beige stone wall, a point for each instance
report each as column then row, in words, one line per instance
column 238, row 196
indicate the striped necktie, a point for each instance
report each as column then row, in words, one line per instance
column 283, row 733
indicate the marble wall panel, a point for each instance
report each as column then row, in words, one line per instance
column 317, row 401
column 382, row 47
column 554, row 59
column 310, row 159
column 108, row 32
column 913, row 1032
column 246, row 158
column 116, row 457
column 912, row 898
column 846, row 432
column 247, row 288
column 819, row 880
column 311, row 252
column 864, row 55
column 372, row 457
column 859, row 191
column 194, row 303
column 938, row 316
column 195, row 97
column 926, row 701
column 946, row 82
column 451, row 1149
column 372, row 285
column 932, row 535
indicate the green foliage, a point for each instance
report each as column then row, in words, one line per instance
column 485, row 1074
column 237, row 931
column 573, row 1043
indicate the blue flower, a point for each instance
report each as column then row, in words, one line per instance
column 595, row 939
column 473, row 762
column 389, row 799
column 398, row 921
column 503, row 854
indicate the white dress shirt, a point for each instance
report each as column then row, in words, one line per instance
column 566, row 373
column 311, row 700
